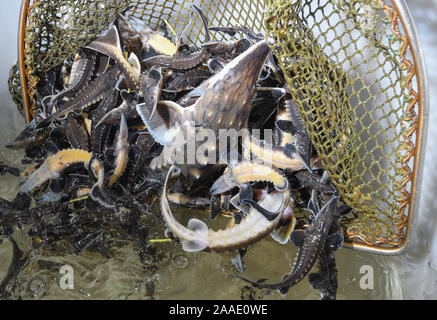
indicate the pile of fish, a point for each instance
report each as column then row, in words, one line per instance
column 111, row 122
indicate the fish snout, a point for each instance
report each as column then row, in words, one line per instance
column 252, row 61
column 223, row 184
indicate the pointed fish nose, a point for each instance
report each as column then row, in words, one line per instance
column 251, row 62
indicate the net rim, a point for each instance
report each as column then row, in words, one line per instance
column 421, row 131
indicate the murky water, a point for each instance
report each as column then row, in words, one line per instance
column 174, row 274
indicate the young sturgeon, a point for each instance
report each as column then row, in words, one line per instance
column 98, row 135
column 121, row 152
column 188, row 81
column 312, row 243
column 280, row 157
column 151, row 39
column 296, row 127
column 197, row 237
column 180, row 61
column 242, row 173
column 81, row 73
column 53, row 166
column 76, row 135
column 109, row 44
column 127, row 108
column 95, row 92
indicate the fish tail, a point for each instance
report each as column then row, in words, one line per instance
column 282, row 286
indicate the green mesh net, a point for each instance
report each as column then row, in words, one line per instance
column 14, row 85
column 348, row 76
column 347, row 63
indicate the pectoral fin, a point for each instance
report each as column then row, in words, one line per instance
column 235, row 201
column 131, row 98
column 100, row 196
column 195, row 245
column 285, row 126
column 215, row 66
column 297, row 237
column 315, row 280
column 164, row 125
column 336, row 240
column 50, row 197
column 111, row 117
column 283, row 232
column 284, row 290
column 237, row 261
column 106, row 43
column 197, row 225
